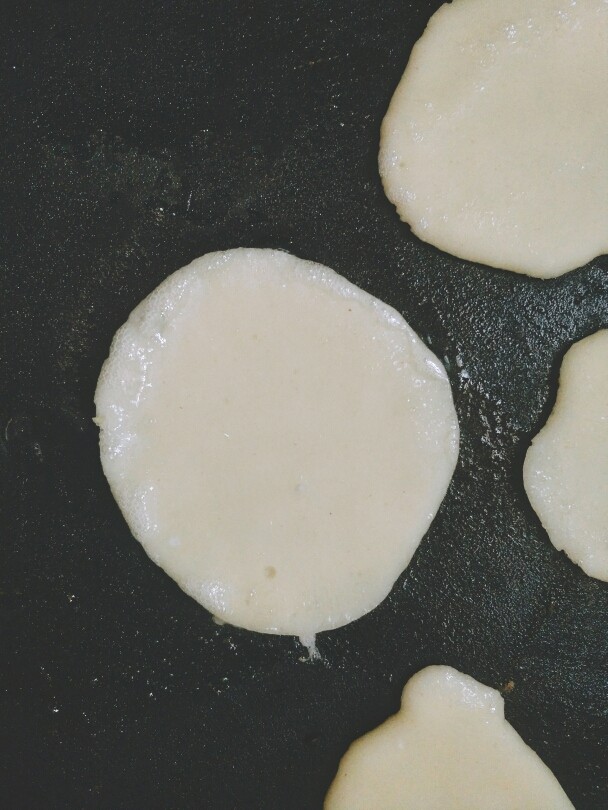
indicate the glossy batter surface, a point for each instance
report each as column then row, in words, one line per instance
column 495, row 144
column 448, row 748
column 277, row 439
column 566, row 467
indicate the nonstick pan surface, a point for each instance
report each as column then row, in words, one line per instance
column 135, row 137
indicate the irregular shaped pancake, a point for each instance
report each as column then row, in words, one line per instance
column 277, row 439
column 566, row 467
column 495, row 144
column 448, row 748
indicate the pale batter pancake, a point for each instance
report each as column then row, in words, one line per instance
column 495, row 144
column 566, row 467
column 448, row 748
column 277, row 439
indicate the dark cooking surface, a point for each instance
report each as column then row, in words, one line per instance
column 137, row 136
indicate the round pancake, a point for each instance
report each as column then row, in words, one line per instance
column 277, row 439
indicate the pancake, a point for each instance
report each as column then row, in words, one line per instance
column 495, row 144
column 277, row 439
column 448, row 748
column 566, row 467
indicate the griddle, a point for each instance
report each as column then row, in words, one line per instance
column 136, row 137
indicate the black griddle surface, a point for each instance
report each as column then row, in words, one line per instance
column 136, row 137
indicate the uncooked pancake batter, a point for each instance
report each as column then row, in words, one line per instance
column 566, row 467
column 495, row 144
column 277, row 439
column 448, row 748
